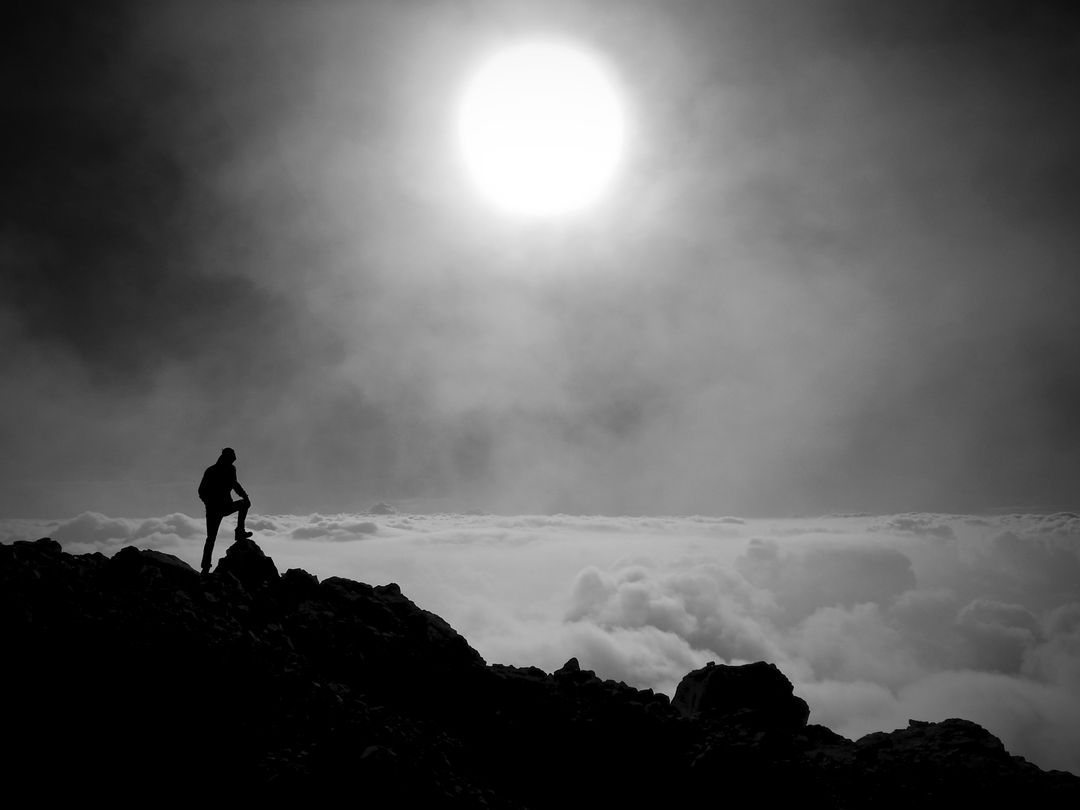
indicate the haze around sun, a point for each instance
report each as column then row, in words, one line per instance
column 541, row 128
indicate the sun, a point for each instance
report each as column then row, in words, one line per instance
column 541, row 129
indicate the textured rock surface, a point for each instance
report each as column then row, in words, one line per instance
column 756, row 694
column 133, row 677
column 249, row 564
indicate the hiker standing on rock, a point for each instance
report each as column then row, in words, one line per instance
column 215, row 491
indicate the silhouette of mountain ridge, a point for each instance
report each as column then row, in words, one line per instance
column 134, row 675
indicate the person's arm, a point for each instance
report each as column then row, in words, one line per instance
column 237, row 487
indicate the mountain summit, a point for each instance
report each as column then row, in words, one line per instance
column 135, row 678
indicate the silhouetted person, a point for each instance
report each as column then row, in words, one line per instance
column 215, row 491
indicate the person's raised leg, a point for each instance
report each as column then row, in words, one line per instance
column 241, row 508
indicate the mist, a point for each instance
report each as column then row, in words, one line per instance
column 833, row 275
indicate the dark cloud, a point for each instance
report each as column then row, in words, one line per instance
column 92, row 529
column 835, row 275
column 108, row 224
column 334, row 530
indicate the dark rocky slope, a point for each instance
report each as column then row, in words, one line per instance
column 136, row 679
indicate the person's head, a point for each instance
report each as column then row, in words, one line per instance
column 228, row 455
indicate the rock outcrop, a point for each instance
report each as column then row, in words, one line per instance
column 753, row 694
column 134, row 678
column 245, row 561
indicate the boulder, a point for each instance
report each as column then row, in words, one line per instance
column 934, row 742
column 569, row 668
column 247, row 562
column 300, row 582
column 150, row 568
column 43, row 545
column 755, row 694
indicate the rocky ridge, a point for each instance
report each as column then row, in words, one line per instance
column 133, row 675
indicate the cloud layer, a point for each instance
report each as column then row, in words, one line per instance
column 875, row 619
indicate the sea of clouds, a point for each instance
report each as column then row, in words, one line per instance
column 875, row 619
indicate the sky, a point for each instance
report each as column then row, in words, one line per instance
column 835, row 272
column 875, row 619
column 801, row 387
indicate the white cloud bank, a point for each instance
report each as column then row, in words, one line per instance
column 875, row 619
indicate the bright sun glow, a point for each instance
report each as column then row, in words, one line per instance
column 541, row 129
